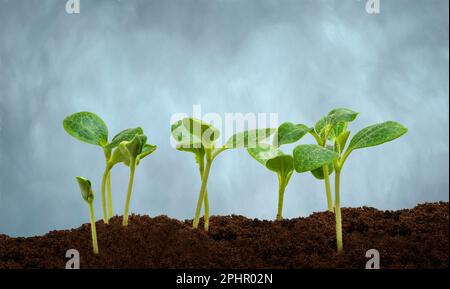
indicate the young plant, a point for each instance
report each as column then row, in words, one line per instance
column 90, row 128
column 334, row 127
column 327, row 128
column 278, row 162
column 192, row 133
column 131, row 153
column 88, row 195
column 189, row 143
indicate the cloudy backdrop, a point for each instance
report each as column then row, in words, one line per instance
column 138, row 62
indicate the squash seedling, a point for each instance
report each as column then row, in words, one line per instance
column 334, row 127
column 88, row 195
column 90, row 128
column 131, row 153
column 325, row 129
column 278, row 162
column 189, row 143
column 370, row 136
column 193, row 133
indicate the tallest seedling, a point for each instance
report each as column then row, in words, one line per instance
column 333, row 127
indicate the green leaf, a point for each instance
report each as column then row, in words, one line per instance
column 310, row 157
column 264, row 152
column 207, row 133
column 334, row 117
column 273, row 159
column 146, row 150
column 341, row 141
column 282, row 164
column 318, row 173
column 249, row 138
column 377, row 134
column 289, row 133
column 134, row 147
column 86, row 189
column 87, row 127
column 125, row 135
column 118, row 156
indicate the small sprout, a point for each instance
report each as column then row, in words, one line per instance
column 88, row 195
column 327, row 128
column 278, row 162
column 370, row 136
column 125, row 135
column 198, row 137
column 90, row 128
column 131, row 153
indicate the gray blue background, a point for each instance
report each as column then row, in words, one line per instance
column 137, row 62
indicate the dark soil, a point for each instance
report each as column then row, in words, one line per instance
column 416, row 238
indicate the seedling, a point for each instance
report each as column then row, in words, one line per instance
column 193, row 134
column 334, row 127
column 129, row 153
column 278, row 162
column 283, row 165
column 90, row 128
column 88, row 195
column 325, row 129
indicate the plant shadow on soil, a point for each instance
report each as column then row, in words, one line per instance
column 410, row 238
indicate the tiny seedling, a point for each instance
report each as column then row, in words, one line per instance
column 278, row 162
column 327, row 128
column 283, row 164
column 88, row 195
column 129, row 153
column 90, row 128
column 334, row 127
column 191, row 133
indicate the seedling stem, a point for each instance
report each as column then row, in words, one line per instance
column 130, row 188
column 281, row 188
column 93, row 228
column 337, row 209
column 203, row 190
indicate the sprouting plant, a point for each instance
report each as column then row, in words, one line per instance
column 88, row 195
column 327, row 128
column 129, row 153
column 90, row 128
column 278, row 162
column 283, row 164
column 198, row 137
column 334, row 127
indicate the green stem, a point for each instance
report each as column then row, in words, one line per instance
column 130, row 188
column 206, row 202
column 202, row 193
column 326, row 176
column 104, row 178
column 337, row 208
column 93, row 229
column 281, row 188
column 206, row 216
column 110, row 205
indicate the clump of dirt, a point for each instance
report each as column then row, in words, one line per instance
column 415, row 238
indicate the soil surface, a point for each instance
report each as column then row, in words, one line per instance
column 415, row 238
